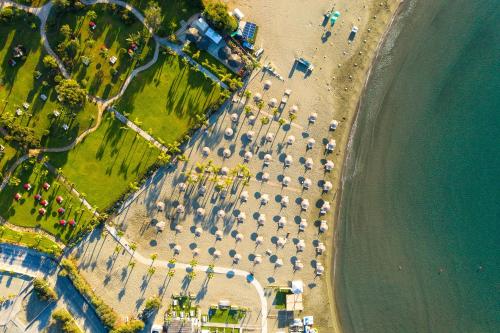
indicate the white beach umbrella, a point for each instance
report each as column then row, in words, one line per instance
column 239, row 237
column 281, row 241
column 298, row 265
column 288, row 160
column 329, row 165
column 228, row 132
column 310, row 143
column 227, row 153
column 182, row 187
column 304, row 205
column 179, row 228
column 309, row 163
column 248, row 156
column 312, row 117
column 269, row 137
column 319, row 269
column 250, row 135
column 252, row 119
column 273, row 102
column 307, row 183
column 224, row 171
column 261, row 219
column 202, row 190
column 265, row 176
column 279, row 262
column 217, row 254
column 242, row 217
column 267, row 159
column 234, row 117
column 257, row 97
column 333, row 125
column 267, row 84
column 302, row 225
column 221, row 214
column 327, row 186
column 264, row 199
column 285, row 201
column 205, row 151
column 323, row 227
column 244, row 196
column 237, row 258
column 290, row 140
column 219, row 234
column 259, row 240
column 258, row 259
column 160, row 206
column 320, row 249
column 160, row 226
column 198, row 232
column 196, row 252
column 294, row 109
column 180, row 209
column 301, row 245
column 286, row 181
column 330, row 146
column 325, row 207
column 282, row 222
column 177, row 249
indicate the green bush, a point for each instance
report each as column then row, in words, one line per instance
column 64, row 318
column 132, row 326
column 152, row 303
column 106, row 313
column 43, row 290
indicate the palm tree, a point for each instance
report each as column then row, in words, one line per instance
column 38, row 239
column 248, row 111
column 133, row 247
column 193, row 263
column 151, row 271
column 153, row 257
column 134, row 38
column 171, row 273
column 14, row 181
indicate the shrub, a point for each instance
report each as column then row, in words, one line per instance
column 64, row 318
column 43, row 290
column 152, row 303
column 218, row 16
column 49, row 62
column 132, row 326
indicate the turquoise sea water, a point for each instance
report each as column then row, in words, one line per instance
column 419, row 235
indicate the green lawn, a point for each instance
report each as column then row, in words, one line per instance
column 29, row 239
column 110, row 38
column 18, row 85
column 106, row 162
column 279, row 301
column 217, row 315
column 220, row 329
column 33, row 3
column 173, row 12
column 7, row 157
column 167, row 98
column 25, row 212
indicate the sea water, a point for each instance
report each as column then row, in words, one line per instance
column 418, row 238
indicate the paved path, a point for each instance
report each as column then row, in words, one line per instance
column 33, row 263
column 200, row 268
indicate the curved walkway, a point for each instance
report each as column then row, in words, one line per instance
column 200, row 268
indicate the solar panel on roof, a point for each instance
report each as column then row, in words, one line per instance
column 249, row 30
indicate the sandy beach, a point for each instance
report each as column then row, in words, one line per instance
column 268, row 236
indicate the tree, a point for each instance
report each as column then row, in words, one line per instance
column 6, row 14
column 152, row 304
column 153, row 16
column 92, row 15
column 218, row 16
column 154, row 256
column 70, row 93
column 61, row 4
column 43, row 290
column 49, row 62
column 65, row 30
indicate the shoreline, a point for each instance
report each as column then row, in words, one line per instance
column 332, row 255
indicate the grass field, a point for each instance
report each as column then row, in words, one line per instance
column 167, row 98
column 18, row 85
column 106, row 162
column 112, row 37
column 173, row 12
column 7, row 157
column 25, row 212
column 216, row 315
column 29, row 239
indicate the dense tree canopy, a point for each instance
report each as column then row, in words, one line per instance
column 70, row 93
column 218, row 16
column 153, row 16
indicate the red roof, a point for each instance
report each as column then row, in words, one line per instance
column 37, row 196
column 59, row 199
column 72, row 222
column 61, row 210
column 17, row 196
column 62, row 222
column 44, row 202
column 46, row 186
column 27, row 186
column 41, row 211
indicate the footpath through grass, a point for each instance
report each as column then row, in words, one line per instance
column 27, row 80
column 26, row 211
column 169, row 98
column 105, row 164
column 115, row 34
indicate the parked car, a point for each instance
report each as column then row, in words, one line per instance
column 353, row 33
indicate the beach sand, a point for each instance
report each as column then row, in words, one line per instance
column 287, row 30
column 293, row 28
